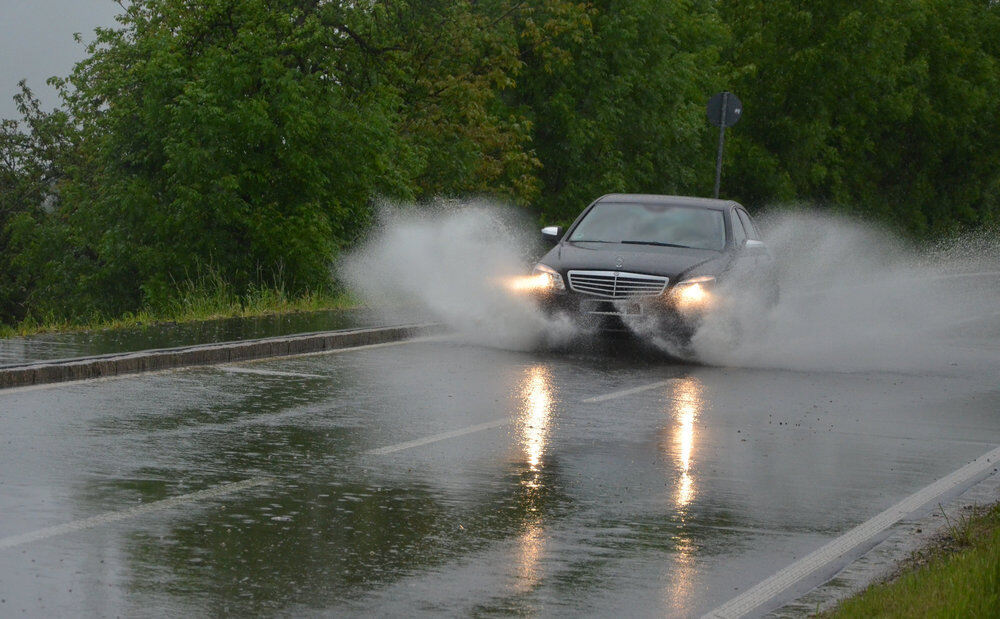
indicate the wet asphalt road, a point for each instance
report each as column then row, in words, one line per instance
column 444, row 478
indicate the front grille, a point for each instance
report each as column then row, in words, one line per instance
column 616, row 285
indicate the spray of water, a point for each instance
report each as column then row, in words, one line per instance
column 852, row 298
column 450, row 264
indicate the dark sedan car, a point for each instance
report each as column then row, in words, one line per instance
column 632, row 257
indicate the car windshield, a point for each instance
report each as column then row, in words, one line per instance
column 655, row 224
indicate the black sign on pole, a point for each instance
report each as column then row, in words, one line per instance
column 724, row 110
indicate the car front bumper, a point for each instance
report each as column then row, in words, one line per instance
column 641, row 314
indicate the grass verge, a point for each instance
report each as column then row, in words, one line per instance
column 957, row 577
column 193, row 303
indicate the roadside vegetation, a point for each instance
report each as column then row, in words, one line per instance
column 959, row 577
column 252, row 139
column 193, row 302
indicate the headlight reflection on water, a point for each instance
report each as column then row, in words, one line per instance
column 535, row 415
column 533, row 424
column 688, row 403
column 530, row 549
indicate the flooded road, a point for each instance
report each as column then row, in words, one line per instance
column 436, row 477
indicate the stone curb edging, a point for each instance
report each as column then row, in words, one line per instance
column 103, row 366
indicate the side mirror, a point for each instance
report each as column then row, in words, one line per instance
column 754, row 245
column 552, row 234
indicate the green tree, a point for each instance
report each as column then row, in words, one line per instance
column 885, row 108
column 448, row 61
column 224, row 135
column 35, row 154
column 617, row 101
column 246, row 139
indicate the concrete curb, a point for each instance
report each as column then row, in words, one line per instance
column 103, row 366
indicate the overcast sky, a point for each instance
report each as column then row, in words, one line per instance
column 36, row 42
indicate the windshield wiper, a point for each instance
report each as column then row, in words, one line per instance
column 658, row 244
column 589, row 241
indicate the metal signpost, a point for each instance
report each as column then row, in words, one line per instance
column 724, row 110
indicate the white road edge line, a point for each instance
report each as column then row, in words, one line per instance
column 765, row 591
column 427, row 440
column 620, row 394
column 133, row 512
column 237, row 370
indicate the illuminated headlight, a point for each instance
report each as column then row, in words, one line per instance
column 542, row 279
column 549, row 277
column 694, row 293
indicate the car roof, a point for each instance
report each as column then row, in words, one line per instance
column 649, row 198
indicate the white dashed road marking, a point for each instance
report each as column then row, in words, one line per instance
column 133, row 512
column 427, row 440
column 237, row 370
column 496, row 423
column 621, row 394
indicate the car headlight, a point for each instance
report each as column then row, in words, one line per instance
column 549, row 278
column 694, row 293
column 542, row 279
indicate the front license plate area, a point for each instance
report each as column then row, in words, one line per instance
column 608, row 308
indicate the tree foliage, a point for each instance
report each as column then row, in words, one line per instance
column 883, row 107
column 447, row 62
column 621, row 107
column 35, row 156
column 226, row 137
column 246, row 140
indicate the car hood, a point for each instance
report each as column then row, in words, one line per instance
column 672, row 262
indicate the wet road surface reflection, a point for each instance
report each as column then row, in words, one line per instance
column 533, row 421
column 686, row 404
column 534, row 417
column 687, row 401
column 659, row 501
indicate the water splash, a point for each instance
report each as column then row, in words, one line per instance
column 852, row 297
column 855, row 298
column 449, row 264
